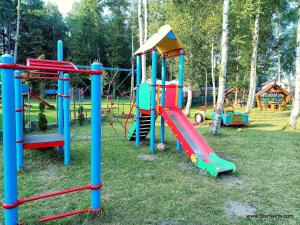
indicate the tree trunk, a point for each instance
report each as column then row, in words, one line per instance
column 188, row 105
column 277, row 37
column 206, row 83
column 17, row 33
column 141, row 32
column 252, row 85
column 236, row 84
column 144, row 59
column 222, row 78
column 296, row 103
column 213, row 79
column 132, row 69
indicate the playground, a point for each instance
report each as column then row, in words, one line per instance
column 100, row 148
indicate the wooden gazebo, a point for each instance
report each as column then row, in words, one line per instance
column 234, row 91
column 273, row 89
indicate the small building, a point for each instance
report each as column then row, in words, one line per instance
column 273, row 96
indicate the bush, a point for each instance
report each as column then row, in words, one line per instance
column 81, row 117
column 42, row 107
column 43, row 122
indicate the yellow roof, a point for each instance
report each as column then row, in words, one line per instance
column 165, row 40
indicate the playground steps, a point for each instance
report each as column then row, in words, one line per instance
column 145, row 121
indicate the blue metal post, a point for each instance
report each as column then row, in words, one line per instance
column 19, row 118
column 163, row 98
column 153, row 100
column 66, row 111
column 180, row 87
column 60, row 91
column 96, row 138
column 9, row 141
column 137, row 101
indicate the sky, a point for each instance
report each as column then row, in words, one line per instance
column 64, row 6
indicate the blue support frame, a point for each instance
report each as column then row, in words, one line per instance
column 60, row 90
column 19, row 118
column 96, row 138
column 163, row 98
column 137, row 102
column 66, row 97
column 9, row 142
column 180, row 87
column 153, row 100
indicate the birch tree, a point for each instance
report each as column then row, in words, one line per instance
column 213, row 66
column 17, row 33
column 222, row 78
column 252, row 85
column 144, row 59
column 296, row 103
column 141, row 36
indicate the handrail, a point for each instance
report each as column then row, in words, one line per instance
column 127, row 118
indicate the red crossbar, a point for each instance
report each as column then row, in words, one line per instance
column 48, row 195
column 44, row 68
column 40, row 78
column 59, row 216
column 45, row 73
column 45, row 62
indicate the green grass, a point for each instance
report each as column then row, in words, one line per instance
column 169, row 190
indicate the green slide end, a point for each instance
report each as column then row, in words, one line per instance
column 216, row 165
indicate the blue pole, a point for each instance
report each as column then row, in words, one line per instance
column 66, row 119
column 163, row 98
column 9, row 141
column 153, row 100
column 137, row 101
column 19, row 118
column 180, row 87
column 96, row 138
column 60, row 91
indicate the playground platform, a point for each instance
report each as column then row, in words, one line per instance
column 43, row 141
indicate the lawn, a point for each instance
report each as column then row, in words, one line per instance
column 167, row 189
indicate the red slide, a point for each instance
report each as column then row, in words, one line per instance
column 193, row 143
column 36, row 97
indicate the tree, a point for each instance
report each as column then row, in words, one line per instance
column 222, row 78
column 17, row 33
column 144, row 58
column 213, row 66
column 141, row 37
column 296, row 103
column 252, row 86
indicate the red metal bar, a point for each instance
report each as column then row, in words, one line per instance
column 40, row 72
column 59, row 216
column 46, row 61
column 58, row 69
column 56, row 193
column 43, row 145
column 50, row 65
column 41, row 78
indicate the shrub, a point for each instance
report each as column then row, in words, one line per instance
column 43, row 122
column 81, row 117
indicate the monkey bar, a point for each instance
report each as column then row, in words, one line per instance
column 14, row 141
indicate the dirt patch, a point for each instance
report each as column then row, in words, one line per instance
column 145, row 143
column 147, row 157
column 171, row 222
column 238, row 209
column 186, row 165
column 231, row 180
column 145, row 175
column 82, row 138
column 226, row 157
